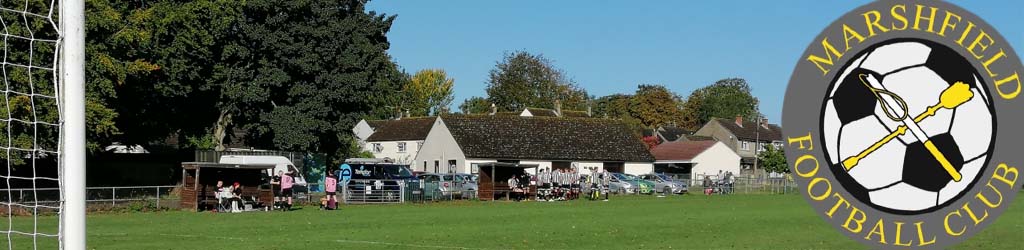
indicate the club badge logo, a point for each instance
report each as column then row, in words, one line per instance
column 903, row 121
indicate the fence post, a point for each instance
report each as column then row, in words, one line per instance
column 113, row 198
column 158, row 197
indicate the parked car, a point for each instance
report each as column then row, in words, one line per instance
column 665, row 184
column 438, row 186
column 469, row 184
column 435, row 186
column 378, row 175
column 629, row 184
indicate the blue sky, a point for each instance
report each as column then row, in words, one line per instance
column 612, row 46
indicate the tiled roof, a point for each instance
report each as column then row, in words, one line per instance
column 750, row 131
column 542, row 112
column 574, row 113
column 406, row 129
column 546, row 138
column 680, row 151
column 375, row 123
column 697, row 138
column 672, row 133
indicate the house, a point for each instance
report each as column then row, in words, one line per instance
column 746, row 138
column 457, row 144
column 695, row 159
column 398, row 140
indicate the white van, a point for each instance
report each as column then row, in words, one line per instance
column 280, row 163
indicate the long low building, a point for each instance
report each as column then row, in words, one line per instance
column 456, row 144
column 695, row 159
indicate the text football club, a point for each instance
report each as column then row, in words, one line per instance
column 901, row 119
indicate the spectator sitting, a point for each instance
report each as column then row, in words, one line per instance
column 513, row 185
column 222, row 194
column 236, row 197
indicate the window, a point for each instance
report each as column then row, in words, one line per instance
column 377, row 148
column 451, row 166
column 437, row 166
column 745, row 145
column 474, row 168
column 401, row 147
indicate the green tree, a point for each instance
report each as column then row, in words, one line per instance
column 30, row 109
column 772, row 160
column 612, row 106
column 726, row 98
column 154, row 62
column 521, row 80
column 475, row 105
column 429, row 92
column 311, row 70
column 655, row 105
column 617, row 106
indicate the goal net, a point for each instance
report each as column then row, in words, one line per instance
column 34, row 120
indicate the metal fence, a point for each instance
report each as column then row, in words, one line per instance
column 744, row 185
column 160, row 196
column 373, row 191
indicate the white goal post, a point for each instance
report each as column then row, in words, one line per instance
column 72, row 164
column 42, row 124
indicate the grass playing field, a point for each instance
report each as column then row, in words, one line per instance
column 680, row 222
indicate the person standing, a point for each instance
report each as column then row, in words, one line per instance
column 606, row 179
column 575, row 186
column 287, row 181
column 707, row 185
column 275, row 187
column 331, row 188
column 545, row 184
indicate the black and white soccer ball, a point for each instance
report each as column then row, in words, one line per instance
column 902, row 176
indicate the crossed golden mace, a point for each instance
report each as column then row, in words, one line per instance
column 953, row 96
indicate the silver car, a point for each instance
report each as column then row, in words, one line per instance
column 665, row 184
column 618, row 185
column 466, row 184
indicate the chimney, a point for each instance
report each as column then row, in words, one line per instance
column 407, row 113
column 558, row 108
column 764, row 122
column 494, row 109
column 739, row 120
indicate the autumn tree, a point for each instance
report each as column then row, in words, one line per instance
column 655, row 105
column 429, row 92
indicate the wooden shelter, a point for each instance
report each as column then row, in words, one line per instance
column 493, row 180
column 199, row 181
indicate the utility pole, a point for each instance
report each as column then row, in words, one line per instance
column 757, row 140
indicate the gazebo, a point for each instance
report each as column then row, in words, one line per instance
column 493, row 180
column 199, row 183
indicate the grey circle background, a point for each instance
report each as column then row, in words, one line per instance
column 808, row 87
